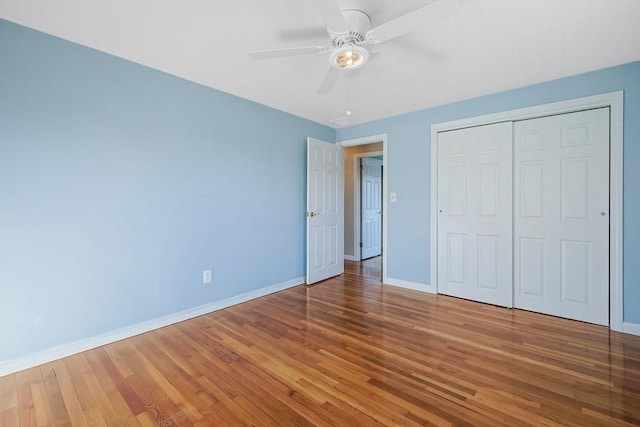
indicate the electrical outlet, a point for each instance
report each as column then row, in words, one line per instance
column 206, row 276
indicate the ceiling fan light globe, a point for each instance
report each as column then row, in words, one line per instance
column 349, row 57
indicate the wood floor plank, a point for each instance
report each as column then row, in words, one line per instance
column 59, row 412
column 170, row 380
column 26, row 410
column 345, row 352
column 9, row 402
column 41, row 405
column 149, row 384
column 296, row 396
column 96, row 387
column 110, row 381
column 69, row 395
column 114, row 373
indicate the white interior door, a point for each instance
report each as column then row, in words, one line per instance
column 371, row 202
column 325, row 210
column 561, row 226
column 475, row 213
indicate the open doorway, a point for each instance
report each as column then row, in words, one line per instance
column 354, row 152
column 352, row 196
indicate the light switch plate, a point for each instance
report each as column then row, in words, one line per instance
column 393, row 197
column 206, row 276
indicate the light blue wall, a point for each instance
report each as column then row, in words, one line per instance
column 119, row 185
column 408, row 167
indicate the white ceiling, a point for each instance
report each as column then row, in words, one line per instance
column 488, row 46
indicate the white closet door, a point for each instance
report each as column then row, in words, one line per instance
column 561, row 215
column 475, row 213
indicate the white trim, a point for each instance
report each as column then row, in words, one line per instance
column 616, row 298
column 350, row 257
column 385, row 189
column 631, row 328
column 357, row 200
column 423, row 287
column 613, row 100
column 65, row 350
column 433, row 206
column 364, row 140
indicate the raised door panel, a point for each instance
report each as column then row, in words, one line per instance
column 487, row 261
column 489, row 185
column 458, row 196
column 575, row 261
column 530, row 271
column 532, row 187
column 456, row 256
column 574, row 189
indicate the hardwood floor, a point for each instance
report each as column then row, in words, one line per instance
column 345, row 352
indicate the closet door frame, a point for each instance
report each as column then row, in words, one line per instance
column 613, row 100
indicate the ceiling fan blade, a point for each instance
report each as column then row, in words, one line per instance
column 428, row 15
column 331, row 14
column 279, row 53
column 329, row 81
column 298, row 34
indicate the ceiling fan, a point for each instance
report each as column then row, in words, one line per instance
column 350, row 30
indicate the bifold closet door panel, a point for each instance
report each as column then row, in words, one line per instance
column 561, row 215
column 475, row 213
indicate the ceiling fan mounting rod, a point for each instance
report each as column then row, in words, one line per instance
column 358, row 26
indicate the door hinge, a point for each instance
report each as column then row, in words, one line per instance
column 361, row 244
column 361, row 168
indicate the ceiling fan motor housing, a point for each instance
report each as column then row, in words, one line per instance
column 358, row 25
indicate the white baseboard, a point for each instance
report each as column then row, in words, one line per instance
column 65, row 350
column 631, row 328
column 409, row 285
column 350, row 257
